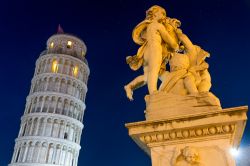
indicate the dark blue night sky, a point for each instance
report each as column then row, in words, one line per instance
column 221, row 27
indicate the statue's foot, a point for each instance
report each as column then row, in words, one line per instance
column 129, row 92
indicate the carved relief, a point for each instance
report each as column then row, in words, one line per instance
column 187, row 133
column 187, row 156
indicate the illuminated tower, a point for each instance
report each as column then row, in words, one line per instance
column 51, row 126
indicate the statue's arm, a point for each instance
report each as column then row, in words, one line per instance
column 167, row 38
column 189, row 47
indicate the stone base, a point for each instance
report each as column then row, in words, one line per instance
column 163, row 105
column 202, row 139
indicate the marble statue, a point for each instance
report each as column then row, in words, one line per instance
column 185, row 124
column 162, row 42
column 158, row 41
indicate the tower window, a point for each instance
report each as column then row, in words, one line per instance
column 51, row 44
column 65, row 136
column 75, row 71
column 54, row 66
column 69, row 44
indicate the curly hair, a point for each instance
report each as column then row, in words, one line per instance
column 187, row 150
column 150, row 12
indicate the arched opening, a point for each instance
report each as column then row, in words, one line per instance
column 65, row 136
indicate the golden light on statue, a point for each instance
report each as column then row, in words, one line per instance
column 184, row 120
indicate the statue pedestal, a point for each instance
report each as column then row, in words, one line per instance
column 191, row 138
column 162, row 105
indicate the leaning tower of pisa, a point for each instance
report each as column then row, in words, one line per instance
column 51, row 126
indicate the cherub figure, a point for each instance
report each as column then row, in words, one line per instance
column 157, row 36
column 186, row 157
column 188, row 70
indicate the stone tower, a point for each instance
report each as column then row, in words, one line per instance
column 51, row 126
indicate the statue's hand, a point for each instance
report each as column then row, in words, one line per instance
column 178, row 31
column 174, row 22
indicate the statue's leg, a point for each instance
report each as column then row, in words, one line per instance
column 134, row 84
column 154, row 65
column 205, row 84
column 163, row 77
column 189, row 82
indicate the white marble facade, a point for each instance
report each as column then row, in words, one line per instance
column 51, row 126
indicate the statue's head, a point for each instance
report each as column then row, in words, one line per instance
column 190, row 154
column 201, row 54
column 156, row 12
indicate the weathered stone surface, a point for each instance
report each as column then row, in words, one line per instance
column 164, row 105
